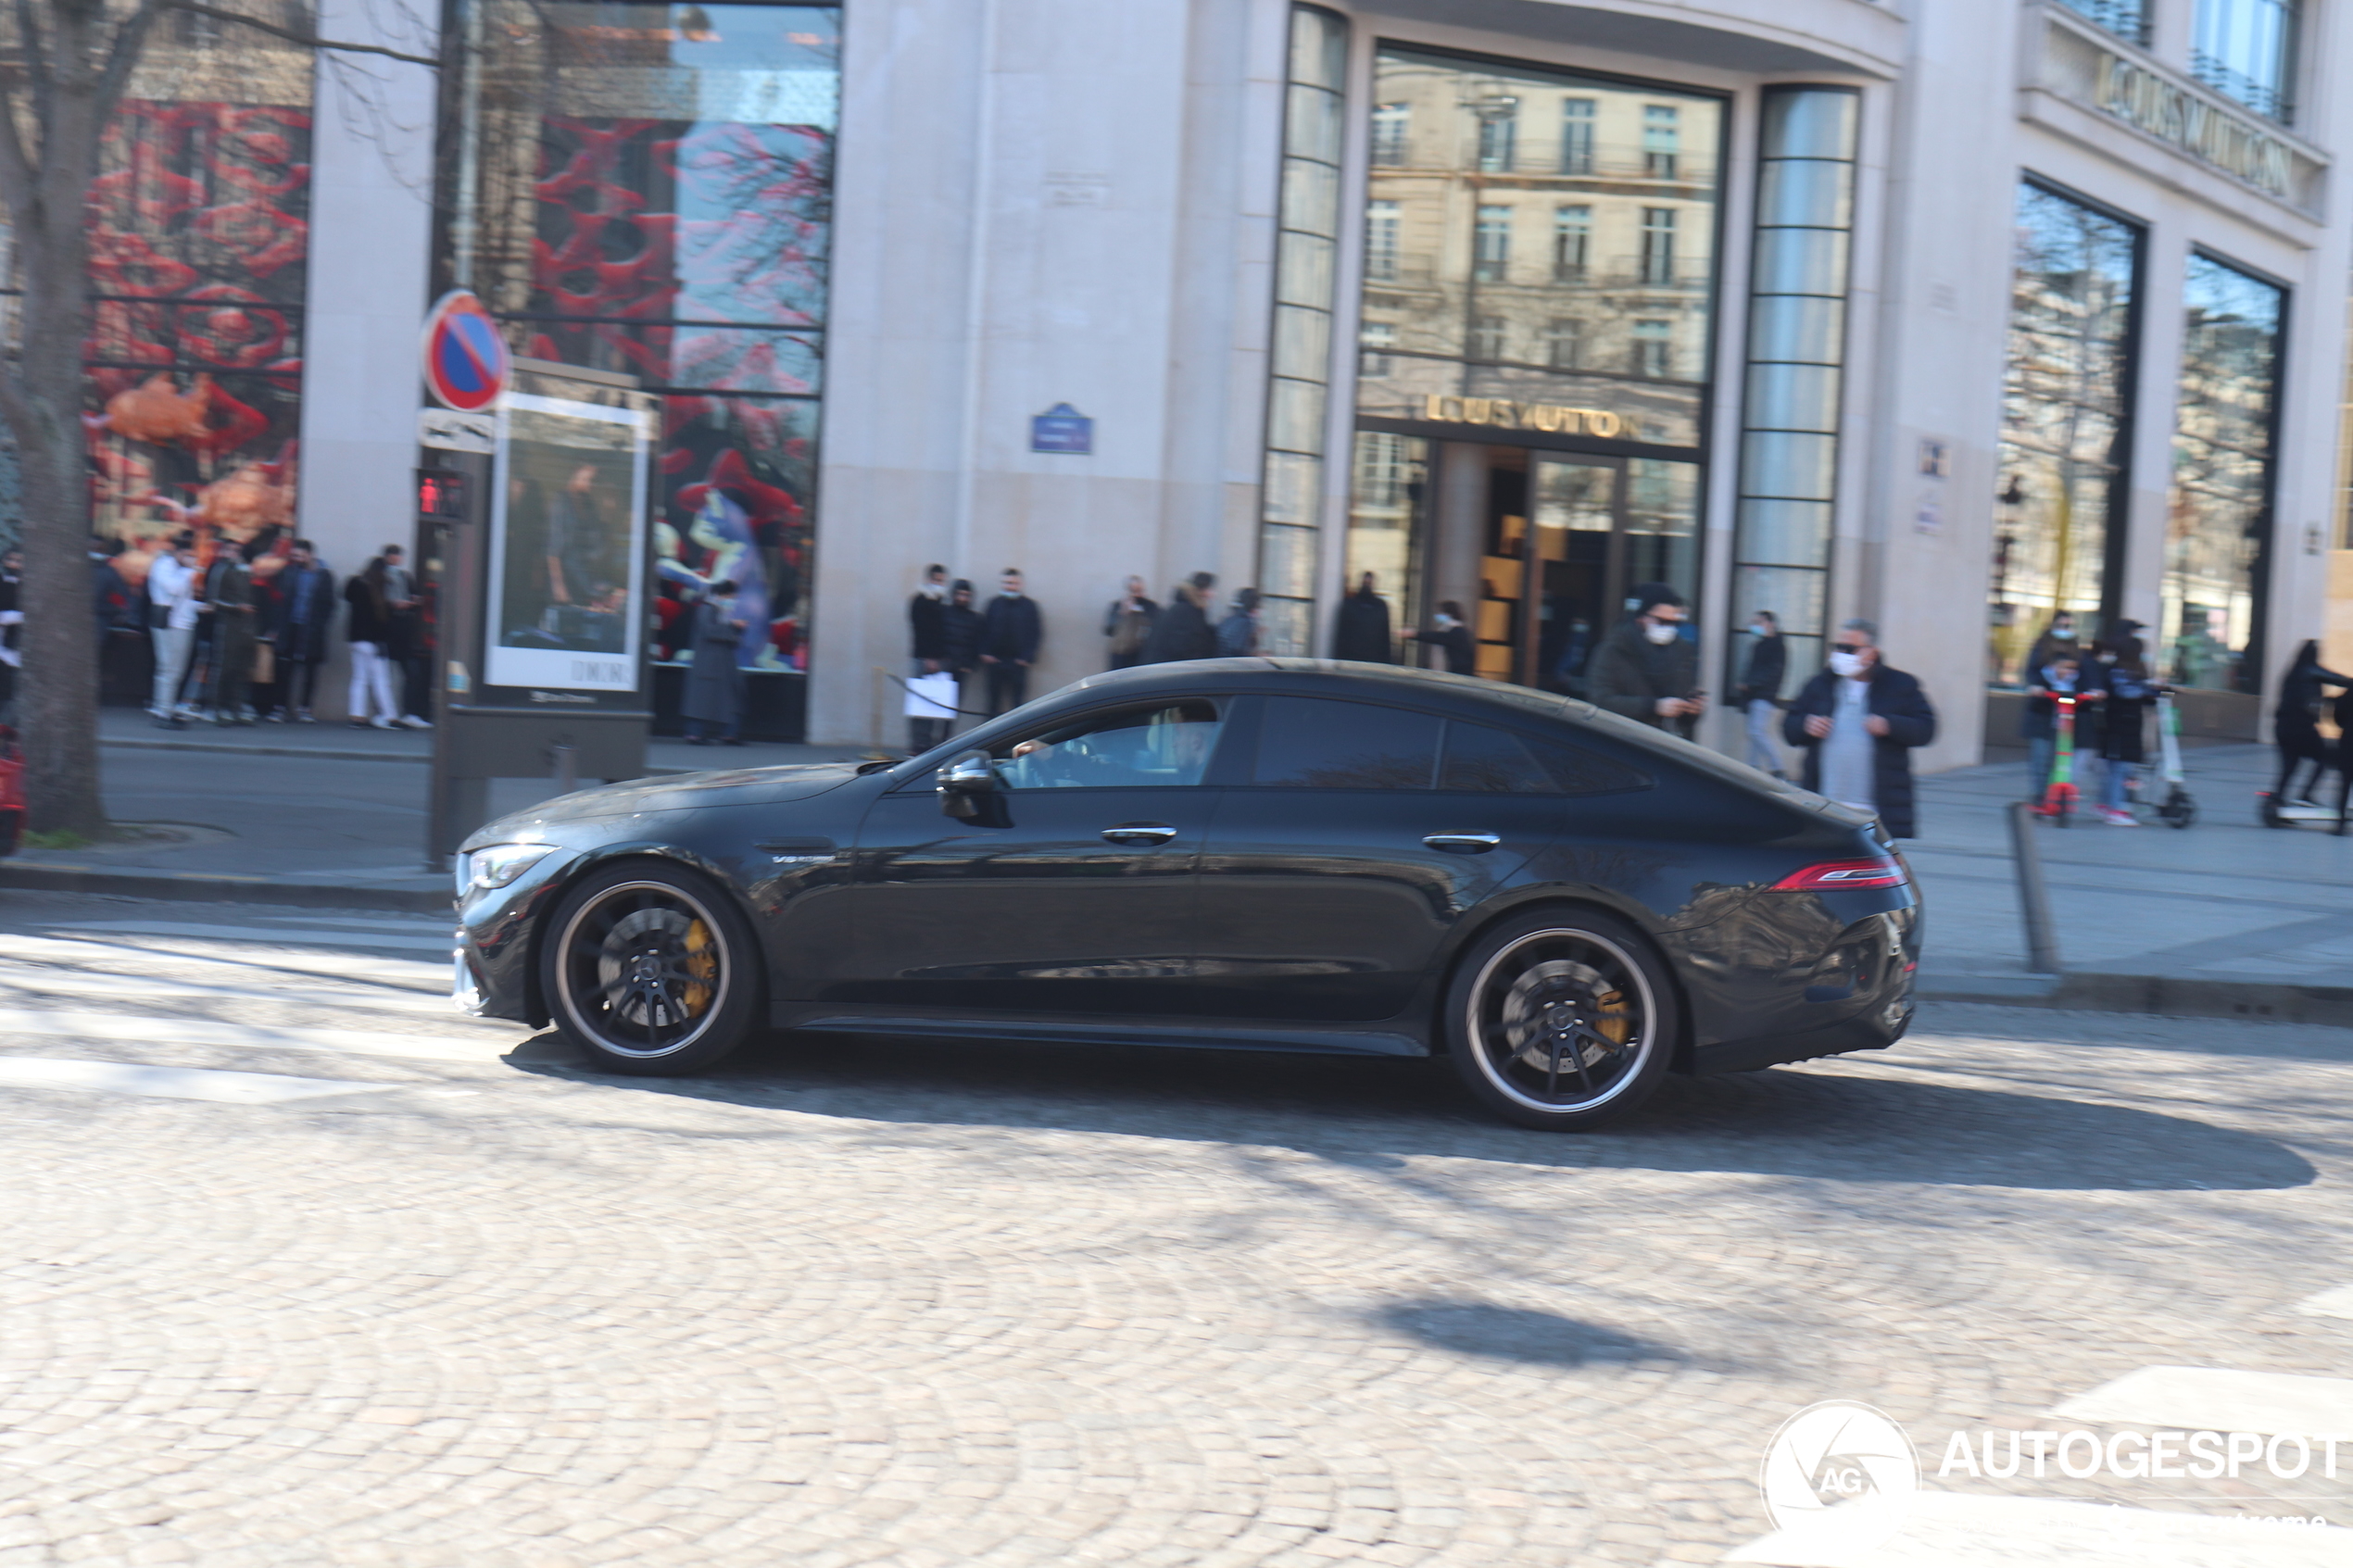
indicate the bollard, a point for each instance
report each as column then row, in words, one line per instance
column 566, row 768
column 2033, row 894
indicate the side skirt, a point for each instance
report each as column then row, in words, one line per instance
column 1122, row 1031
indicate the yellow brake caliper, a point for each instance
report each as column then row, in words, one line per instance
column 702, row 962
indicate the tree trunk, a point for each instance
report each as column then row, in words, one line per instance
column 58, row 704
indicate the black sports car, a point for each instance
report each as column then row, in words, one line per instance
column 1269, row 854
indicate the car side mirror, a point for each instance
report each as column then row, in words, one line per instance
column 964, row 781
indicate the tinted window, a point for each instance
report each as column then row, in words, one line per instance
column 1306, row 743
column 1502, row 763
column 1169, row 743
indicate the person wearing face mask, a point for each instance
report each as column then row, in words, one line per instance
column 2119, row 670
column 1858, row 721
column 1759, row 691
column 1646, row 669
column 963, row 630
column 2058, row 641
column 1450, row 636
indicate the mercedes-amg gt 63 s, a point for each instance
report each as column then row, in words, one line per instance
column 1265, row 853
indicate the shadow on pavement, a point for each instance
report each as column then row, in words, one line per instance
column 1818, row 1123
column 1515, row 1334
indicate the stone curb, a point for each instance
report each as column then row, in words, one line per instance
column 2163, row 995
column 200, row 888
column 230, row 748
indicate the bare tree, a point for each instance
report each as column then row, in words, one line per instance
column 63, row 67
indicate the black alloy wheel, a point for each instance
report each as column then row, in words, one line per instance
column 1561, row 1020
column 648, row 968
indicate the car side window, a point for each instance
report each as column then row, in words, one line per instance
column 1166, row 743
column 1316, row 743
column 1484, row 760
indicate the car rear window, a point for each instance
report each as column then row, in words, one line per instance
column 1310, row 743
column 1490, row 761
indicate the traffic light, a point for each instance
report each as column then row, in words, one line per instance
column 441, row 495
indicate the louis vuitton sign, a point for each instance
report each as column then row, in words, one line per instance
column 1553, row 419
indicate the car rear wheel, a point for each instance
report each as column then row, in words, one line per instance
column 650, row 968
column 1561, row 1020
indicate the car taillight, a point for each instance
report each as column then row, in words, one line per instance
column 1832, row 874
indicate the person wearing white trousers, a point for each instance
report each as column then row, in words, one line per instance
column 372, row 687
column 172, row 590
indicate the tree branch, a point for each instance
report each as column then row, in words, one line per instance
column 36, row 66
column 308, row 40
column 130, row 41
column 18, row 181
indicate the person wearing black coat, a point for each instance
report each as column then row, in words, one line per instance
column 1008, row 644
column 1759, row 693
column 1447, row 634
column 1646, row 669
column 2295, row 722
column 1361, row 632
column 1857, row 722
column 1183, row 630
column 928, row 646
column 963, row 629
column 305, row 613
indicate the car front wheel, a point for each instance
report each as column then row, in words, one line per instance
column 650, row 968
column 1561, row 1020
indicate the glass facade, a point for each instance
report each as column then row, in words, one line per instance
column 2126, row 18
column 199, row 247
column 2220, row 524
column 2066, row 443
column 1597, row 224
column 1796, row 354
column 1307, row 224
column 2245, row 49
column 647, row 189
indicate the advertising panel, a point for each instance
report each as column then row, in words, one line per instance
column 566, row 588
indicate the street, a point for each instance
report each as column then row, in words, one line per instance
column 303, row 1268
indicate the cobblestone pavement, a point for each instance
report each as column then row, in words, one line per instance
column 919, row 1304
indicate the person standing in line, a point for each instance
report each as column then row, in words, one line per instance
column 1858, row 721
column 1447, row 633
column 1238, row 634
column 11, row 624
column 1008, row 644
column 2120, row 670
column 1759, row 691
column 1645, row 670
column 962, row 631
column 1183, row 630
column 715, row 704
column 369, row 630
column 404, row 648
column 173, row 604
column 1360, row 631
column 305, row 608
column 1128, row 624
column 228, row 589
column 928, row 646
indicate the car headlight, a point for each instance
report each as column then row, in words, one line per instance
column 496, row 865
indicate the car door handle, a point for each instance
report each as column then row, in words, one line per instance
column 1463, row 842
column 1140, row 833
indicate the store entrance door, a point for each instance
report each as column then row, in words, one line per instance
column 1538, row 546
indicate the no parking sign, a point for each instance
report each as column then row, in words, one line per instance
column 466, row 361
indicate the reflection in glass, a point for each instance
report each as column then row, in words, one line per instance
column 2246, row 49
column 650, row 190
column 1606, row 219
column 2126, row 18
column 2220, row 518
column 1796, row 353
column 1308, row 214
column 1385, row 518
column 192, row 403
column 2065, row 419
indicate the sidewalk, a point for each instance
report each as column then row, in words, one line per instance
column 314, row 814
column 2224, row 917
